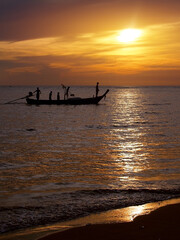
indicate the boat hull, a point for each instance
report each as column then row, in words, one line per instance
column 70, row 101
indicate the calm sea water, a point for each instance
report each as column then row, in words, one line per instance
column 61, row 162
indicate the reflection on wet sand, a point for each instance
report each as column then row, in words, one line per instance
column 113, row 216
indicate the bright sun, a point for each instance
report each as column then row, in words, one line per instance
column 129, row 35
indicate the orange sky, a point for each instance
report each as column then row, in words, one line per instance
column 76, row 42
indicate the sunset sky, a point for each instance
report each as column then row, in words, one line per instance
column 80, row 42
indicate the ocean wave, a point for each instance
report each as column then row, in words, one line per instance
column 77, row 204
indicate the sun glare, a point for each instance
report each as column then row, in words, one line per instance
column 129, row 35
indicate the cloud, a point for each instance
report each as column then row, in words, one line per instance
column 154, row 40
column 23, row 70
column 93, row 55
column 30, row 19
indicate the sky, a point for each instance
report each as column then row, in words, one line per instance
column 80, row 42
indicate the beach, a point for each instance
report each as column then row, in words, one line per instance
column 162, row 223
column 90, row 119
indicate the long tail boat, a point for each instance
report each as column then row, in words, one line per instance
column 69, row 101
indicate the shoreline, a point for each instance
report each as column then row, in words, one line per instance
column 111, row 218
column 163, row 223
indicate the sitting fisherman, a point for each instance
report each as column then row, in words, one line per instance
column 58, row 96
column 29, row 95
column 50, row 95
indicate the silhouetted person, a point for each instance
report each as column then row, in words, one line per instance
column 97, row 88
column 66, row 95
column 30, row 95
column 38, row 92
column 50, row 95
column 58, row 96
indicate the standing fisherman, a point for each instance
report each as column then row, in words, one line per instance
column 66, row 95
column 97, row 88
column 38, row 92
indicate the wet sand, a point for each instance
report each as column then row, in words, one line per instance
column 161, row 224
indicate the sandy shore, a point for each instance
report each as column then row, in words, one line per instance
column 161, row 224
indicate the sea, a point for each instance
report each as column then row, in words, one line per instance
column 59, row 163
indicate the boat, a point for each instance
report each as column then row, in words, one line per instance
column 69, row 101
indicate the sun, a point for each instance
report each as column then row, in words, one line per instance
column 129, row 35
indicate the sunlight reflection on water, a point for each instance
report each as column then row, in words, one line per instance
column 85, row 156
column 72, row 144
